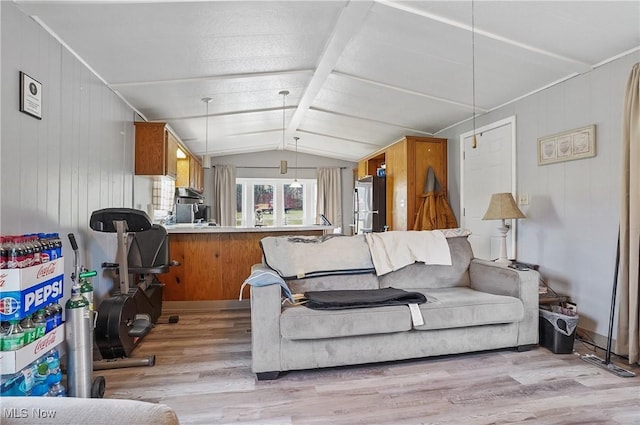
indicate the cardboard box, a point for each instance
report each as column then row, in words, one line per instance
column 14, row 361
column 12, row 280
column 24, row 291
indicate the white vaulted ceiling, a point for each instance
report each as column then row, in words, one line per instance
column 362, row 74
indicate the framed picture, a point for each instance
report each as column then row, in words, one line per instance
column 30, row 96
column 568, row 145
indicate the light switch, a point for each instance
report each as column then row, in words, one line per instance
column 523, row 199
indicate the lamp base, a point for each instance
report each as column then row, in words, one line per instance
column 502, row 258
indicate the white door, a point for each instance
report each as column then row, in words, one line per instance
column 488, row 168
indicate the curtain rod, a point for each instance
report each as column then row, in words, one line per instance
column 290, row 168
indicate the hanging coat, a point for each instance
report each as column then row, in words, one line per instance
column 434, row 211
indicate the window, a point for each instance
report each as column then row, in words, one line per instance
column 274, row 202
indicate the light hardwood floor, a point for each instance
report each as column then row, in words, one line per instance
column 203, row 371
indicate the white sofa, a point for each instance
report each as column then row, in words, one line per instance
column 472, row 305
column 83, row 411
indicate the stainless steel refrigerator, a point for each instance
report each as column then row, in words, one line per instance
column 369, row 201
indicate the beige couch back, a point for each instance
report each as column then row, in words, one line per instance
column 414, row 276
column 420, row 275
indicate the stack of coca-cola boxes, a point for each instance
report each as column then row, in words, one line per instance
column 31, row 287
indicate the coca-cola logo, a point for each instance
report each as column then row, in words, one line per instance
column 45, row 342
column 46, row 270
column 3, row 279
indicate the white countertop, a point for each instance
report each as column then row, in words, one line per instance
column 204, row 228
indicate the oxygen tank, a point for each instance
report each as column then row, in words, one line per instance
column 78, row 335
column 79, row 345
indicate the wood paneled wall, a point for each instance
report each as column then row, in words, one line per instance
column 77, row 159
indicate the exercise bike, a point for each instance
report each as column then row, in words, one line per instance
column 131, row 311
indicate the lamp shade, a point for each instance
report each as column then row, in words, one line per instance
column 502, row 206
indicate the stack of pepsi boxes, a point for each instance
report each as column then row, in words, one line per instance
column 31, row 327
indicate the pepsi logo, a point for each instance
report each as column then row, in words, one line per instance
column 9, row 305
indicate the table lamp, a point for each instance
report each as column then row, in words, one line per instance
column 503, row 207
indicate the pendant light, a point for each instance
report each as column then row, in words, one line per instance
column 474, row 141
column 206, row 159
column 295, row 183
column 283, row 163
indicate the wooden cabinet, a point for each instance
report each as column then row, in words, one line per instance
column 407, row 162
column 369, row 166
column 190, row 173
column 171, row 155
column 362, row 168
column 196, row 174
column 155, row 150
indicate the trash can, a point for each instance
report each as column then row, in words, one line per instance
column 558, row 329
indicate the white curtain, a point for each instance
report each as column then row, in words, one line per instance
column 224, row 194
column 329, row 200
column 628, row 338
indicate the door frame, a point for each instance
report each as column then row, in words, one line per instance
column 506, row 121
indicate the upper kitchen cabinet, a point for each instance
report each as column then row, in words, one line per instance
column 196, row 174
column 369, row 166
column 156, row 149
column 190, row 173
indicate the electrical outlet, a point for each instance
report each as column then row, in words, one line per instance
column 523, row 199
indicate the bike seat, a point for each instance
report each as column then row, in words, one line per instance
column 104, row 220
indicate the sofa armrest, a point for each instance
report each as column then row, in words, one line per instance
column 95, row 411
column 486, row 276
column 266, row 307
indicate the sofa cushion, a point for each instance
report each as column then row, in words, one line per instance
column 460, row 307
column 299, row 322
column 420, row 275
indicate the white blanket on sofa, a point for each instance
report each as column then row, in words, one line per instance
column 394, row 250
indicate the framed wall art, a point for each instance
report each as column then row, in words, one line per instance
column 567, row 146
column 30, row 96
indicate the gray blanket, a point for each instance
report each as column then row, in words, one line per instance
column 362, row 298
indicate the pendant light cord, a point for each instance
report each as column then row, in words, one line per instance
column 206, row 134
column 206, row 100
column 284, row 94
column 296, row 139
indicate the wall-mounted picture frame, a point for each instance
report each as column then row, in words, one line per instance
column 566, row 146
column 30, row 96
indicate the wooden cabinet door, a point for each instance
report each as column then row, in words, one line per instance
column 198, row 275
column 195, row 174
column 362, row 168
column 182, row 178
column 200, row 177
column 397, row 180
column 171, row 168
column 175, row 279
column 150, row 149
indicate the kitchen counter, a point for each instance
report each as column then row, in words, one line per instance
column 204, row 228
column 215, row 260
